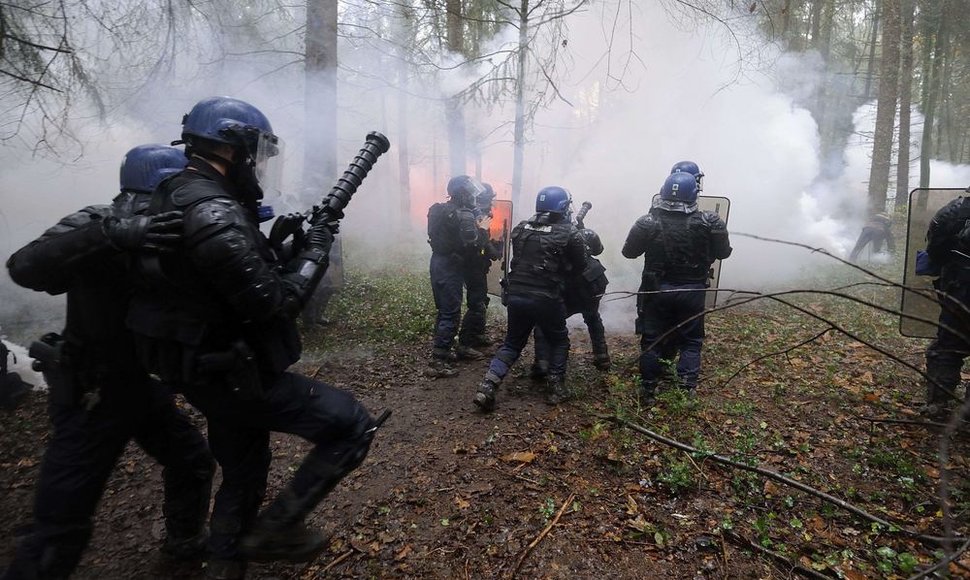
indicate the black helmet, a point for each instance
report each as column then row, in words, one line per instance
column 593, row 242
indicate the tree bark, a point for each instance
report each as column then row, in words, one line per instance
column 905, row 103
column 519, row 131
column 873, row 37
column 882, row 147
column 403, row 153
column 320, row 157
column 934, row 28
column 454, row 108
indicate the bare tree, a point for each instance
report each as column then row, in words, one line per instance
column 885, row 107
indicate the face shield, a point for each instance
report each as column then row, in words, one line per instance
column 268, row 164
column 700, row 182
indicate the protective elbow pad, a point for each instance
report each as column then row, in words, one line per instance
column 304, row 272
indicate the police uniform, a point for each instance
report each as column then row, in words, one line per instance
column 948, row 246
column 679, row 245
column 453, row 234
column 99, row 399
column 218, row 319
column 544, row 250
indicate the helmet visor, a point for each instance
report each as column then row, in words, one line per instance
column 269, row 164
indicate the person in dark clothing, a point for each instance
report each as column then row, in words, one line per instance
column 545, row 248
column 471, row 334
column 948, row 247
column 878, row 230
column 99, row 397
column 12, row 388
column 456, row 250
column 217, row 318
column 679, row 245
column 583, row 293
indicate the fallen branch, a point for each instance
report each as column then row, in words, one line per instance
column 902, row 421
column 776, row 353
column 541, row 535
column 945, row 562
column 339, row 559
column 745, row 543
column 782, row 479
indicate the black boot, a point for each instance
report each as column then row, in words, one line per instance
column 466, row 352
column 558, row 391
column 601, row 360
column 280, row 532
column 539, row 370
column 648, row 397
column 441, row 364
column 485, row 397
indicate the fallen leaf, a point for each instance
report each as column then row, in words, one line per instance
column 405, row 551
column 520, row 456
column 461, row 503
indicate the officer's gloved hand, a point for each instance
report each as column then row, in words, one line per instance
column 319, row 237
column 160, row 232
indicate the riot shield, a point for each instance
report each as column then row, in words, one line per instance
column 923, row 205
column 721, row 206
column 499, row 227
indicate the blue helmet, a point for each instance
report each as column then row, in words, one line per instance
column 145, row 166
column 464, row 190
column 232, row 122
column 693, row 169
column 553, row 199
column 680, row 186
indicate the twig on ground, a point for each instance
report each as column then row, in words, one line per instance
column 745, row 543
column 542, row 535
column 944, row 563
column 339, row 559
column 901, row 421
column 782, row 479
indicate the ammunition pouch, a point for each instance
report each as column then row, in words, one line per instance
column 237, row 366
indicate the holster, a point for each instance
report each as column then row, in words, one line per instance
column 238, row 367
column 51, row 359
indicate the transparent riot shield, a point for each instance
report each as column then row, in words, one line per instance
column 721, row 206
column 499, row 227
column 923, row 205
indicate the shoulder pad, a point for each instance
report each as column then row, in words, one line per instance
column 83, row 217
column 197, row 191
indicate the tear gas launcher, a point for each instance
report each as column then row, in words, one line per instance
column 581, row 214
column 331, row 209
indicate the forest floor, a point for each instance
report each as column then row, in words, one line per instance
column 538, row 491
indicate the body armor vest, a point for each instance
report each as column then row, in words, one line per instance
column 538, row 258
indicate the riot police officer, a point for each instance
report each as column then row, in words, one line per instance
column 471, row 334
column 99, row 398
column 545, row 248
column 217, row 317
column 583, row 293
column 679, row 244
column 948, row 246
column 455, row 252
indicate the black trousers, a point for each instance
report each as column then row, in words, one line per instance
column 83, row 450
column 332, row 419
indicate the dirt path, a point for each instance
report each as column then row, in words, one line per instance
column 447, row 492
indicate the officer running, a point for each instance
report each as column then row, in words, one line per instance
column 217, row 317
column 679, row 244
column 99, row 397
column 545, row 248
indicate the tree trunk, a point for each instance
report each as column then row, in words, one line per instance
column 882, row 147
column 905, row 103
column 519, row 132
column 934, row 28
column 872, row 50
column 320, row 156
column 403, row 153
column 454, row 108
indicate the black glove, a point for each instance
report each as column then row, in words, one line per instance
column 319, row 237
column 160, row 232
